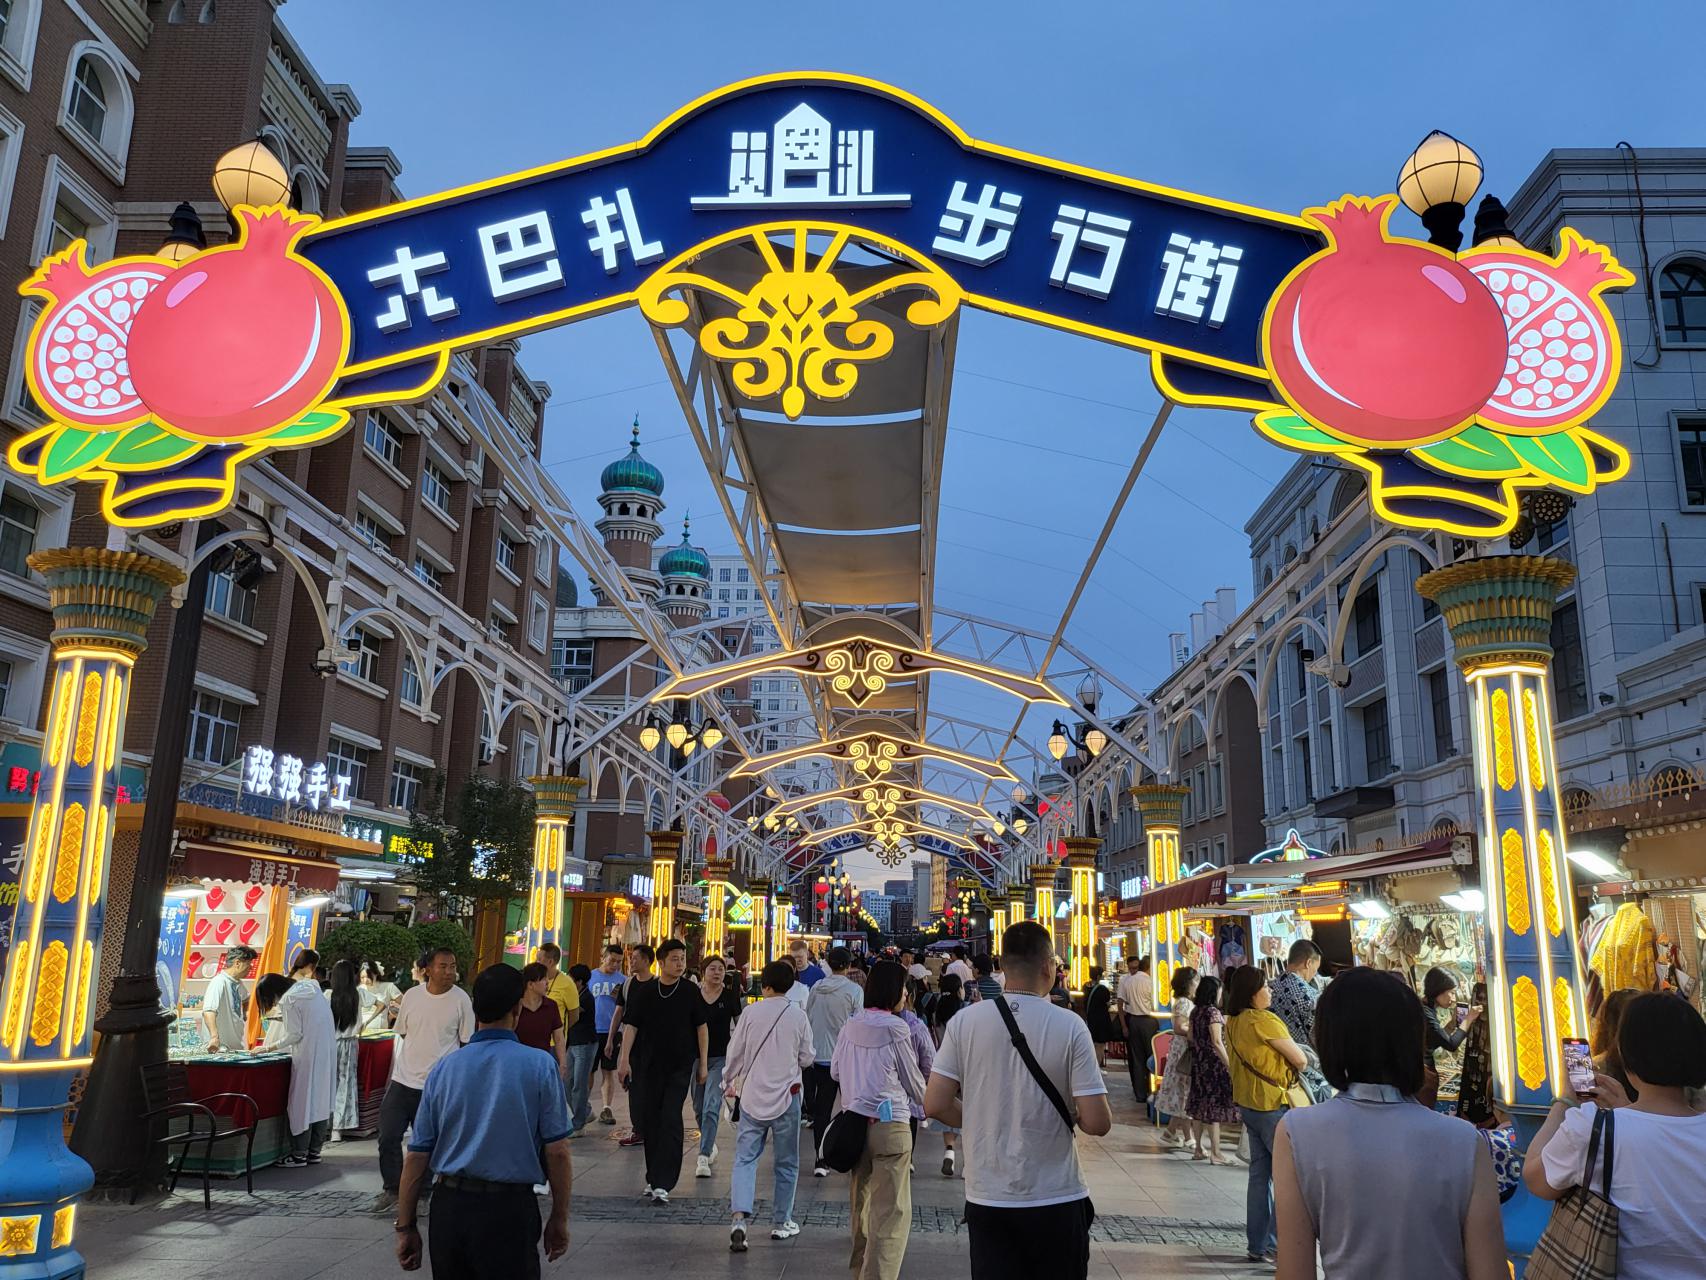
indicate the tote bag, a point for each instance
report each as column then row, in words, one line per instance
column 1580, row 1241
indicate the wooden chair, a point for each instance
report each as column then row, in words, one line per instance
column 167, row 1095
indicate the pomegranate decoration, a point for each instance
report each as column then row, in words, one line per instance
column 1562, row 354
column 242, row 339
column 78, row 364
column 1381, row 341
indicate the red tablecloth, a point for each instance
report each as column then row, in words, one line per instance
column 373, row 1065
column 266, row 1081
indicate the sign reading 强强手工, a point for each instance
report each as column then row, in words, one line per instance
column 773, row 215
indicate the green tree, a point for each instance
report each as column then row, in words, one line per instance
column 481, row 837
column 389, row 944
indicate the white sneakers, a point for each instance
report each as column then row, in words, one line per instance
column 703, row 1168
column 948, row 1164
column 787, row 1231
column 737, row 1238
column 659, row 1195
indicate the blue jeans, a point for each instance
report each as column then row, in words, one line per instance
column 581, row 1058
column 1259, row 1226
column 749, row 1145
column 708, row 1103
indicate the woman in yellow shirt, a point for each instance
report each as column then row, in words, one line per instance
column 1265, row 1060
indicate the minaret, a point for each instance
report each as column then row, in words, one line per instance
column 686, row 574
column 632, row 497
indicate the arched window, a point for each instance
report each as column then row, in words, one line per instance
column 1267, row 576
column 87, row 106
column 1348, row 490
column 622, row 508
column 1577, row 800
column 175, row 14
column 1672, row 780
column 96, row 106
column 1682, row 301
column 207, row 14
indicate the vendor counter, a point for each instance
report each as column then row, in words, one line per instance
column 265, row 1077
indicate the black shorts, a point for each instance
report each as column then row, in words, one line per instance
column 608, row 1062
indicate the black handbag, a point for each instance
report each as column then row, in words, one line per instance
column 844, row 1141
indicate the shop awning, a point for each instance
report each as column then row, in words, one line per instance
column 1439, row 851
column 253, row 866
column 1201, row 890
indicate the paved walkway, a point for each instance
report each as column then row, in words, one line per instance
column 1160, row 1216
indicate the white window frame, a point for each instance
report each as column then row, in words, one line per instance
column 389, row 432
column 366, row 644
column 544, row 556
column 416, row 779
column 111, row 150
column 60, row 179
column 509, row 544
column 408, row 660
column 335, row 759
column 11, row 147
column 18, row 50
column 437, row 575
column 29, row 670
column 433, row 477
column 539, row 623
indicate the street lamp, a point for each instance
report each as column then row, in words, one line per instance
column 1090, row 742
column 682, row 734
column 1436, row 184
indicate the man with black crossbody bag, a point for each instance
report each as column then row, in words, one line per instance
column 1002, row 1076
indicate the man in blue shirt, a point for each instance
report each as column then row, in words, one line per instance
column 485, row 1113
column 605, row 986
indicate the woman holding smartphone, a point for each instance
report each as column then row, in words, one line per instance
column 1439, row 991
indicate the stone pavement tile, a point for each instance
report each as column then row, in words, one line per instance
column 351, row 1260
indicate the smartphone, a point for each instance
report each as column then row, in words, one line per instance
column 1462, row 1013
column 1578, row 1065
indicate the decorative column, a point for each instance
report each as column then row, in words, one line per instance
column 1081, row 883
column 102, row 603
column 717, row 873
column 1016, row 904
column 758, row 947
column 553, row 809
column 1499, row 609
column 782, row 902
column 997, row 919
column 1042, row 894
column 666, row 850
column 1162, row 805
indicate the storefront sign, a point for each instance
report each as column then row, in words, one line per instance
column 1454, row 382
column 740, row 912
column 12, row 834
column 215, row 862
column 691, row 896
column 300, row 935
column 395, row 842
column 640, row 887
column 174, row 941
column 288, row 779
column 1133, row 886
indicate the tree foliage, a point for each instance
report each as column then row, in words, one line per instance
column 481, row 836
column 390, row 944
column 433, row 934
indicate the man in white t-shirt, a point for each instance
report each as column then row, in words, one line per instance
column 960, row 968
column 1028, row 1207
column 435, row 1018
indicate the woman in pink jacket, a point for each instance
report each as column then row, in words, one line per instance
column 877, row 1070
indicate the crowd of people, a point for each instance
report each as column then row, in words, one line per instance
column 1323, row 1082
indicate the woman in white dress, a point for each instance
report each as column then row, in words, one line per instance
column 310, row 1039
column 379, row 998
column 1176, row 1080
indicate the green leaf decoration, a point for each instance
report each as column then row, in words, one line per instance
column 1476, row 450
column 73, row 451
column 1287, row 429
column 310, row 427
column 1560, row 457
column 149, row 445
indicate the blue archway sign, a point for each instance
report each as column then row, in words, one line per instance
column 1130, row 262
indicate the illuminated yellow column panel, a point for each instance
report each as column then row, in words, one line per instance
column 1162, row 806
column 554, row 809
column 781, row 905
column 717, row 873
column 1499, row 609
column 1017, row 906
column 103, row 602
column 1042, row 894
column 666, row 855
column 1081, row 883
column 758, row 951
column 997, row 923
